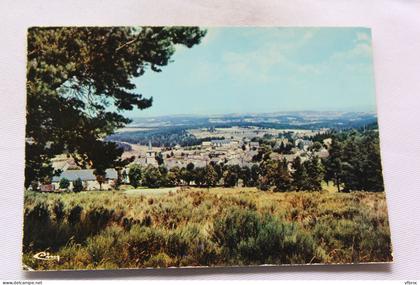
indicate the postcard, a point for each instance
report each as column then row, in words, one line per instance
column 155, row 147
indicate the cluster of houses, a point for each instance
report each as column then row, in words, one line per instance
column 227, row 151
column 71, row 172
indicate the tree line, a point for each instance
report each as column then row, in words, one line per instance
column 353, row 164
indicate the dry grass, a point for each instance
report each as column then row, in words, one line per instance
column 183, row 227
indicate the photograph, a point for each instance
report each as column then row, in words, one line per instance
column 184, row 146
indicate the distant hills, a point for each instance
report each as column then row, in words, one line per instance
column 278, row 120
column 172, row 130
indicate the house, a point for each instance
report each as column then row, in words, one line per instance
column 303, row 144
column 88, row 178
column 220, row 143
column 327, row 142
column 47, row 188
column 206, row 144
column 323, row 153
column 253, row 145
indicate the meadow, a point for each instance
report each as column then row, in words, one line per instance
column 204, row 227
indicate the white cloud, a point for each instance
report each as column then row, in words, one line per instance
column 362, row 37
column 360, row 51
column 258, row 65
column 211, row 35
column 255, row 65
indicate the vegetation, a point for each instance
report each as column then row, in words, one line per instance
column 354, row 162
column 241, row 226
column 74, row 74
column 64, row 183
column 78, row 185
column 134, row 175
column 272, row 211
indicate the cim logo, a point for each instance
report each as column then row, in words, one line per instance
column 46, row 256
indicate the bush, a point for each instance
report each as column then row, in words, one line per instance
column 37, row 227
column 245, row 236
column 161, row 260
column 34, row 186
column 74, row 215
column 194, row 228
column 354, row 240
column 64, row 183
column 106, row 247
column 78, row 185
column 58, row 210
column 97, row 219
column 143, row 243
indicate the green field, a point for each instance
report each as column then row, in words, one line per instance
column 204, row 227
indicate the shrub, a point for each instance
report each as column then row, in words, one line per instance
column 36, row 230
column 237, row 227
column 143, row 243
column 177, row 244
column 161, row 260
column 58, row 210
column 64, row 183
column 34, row 186
column 74, row 215
column 246, row 236
column 356, row 240
column 97, row 219
column 77, row 185
column 106, row 247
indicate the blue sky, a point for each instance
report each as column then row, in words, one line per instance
column 257, row 70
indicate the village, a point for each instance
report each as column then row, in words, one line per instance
column 239, row 147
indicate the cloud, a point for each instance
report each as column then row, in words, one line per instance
column 362, row 37
column 255, row 65
column 279, row 54
column 211, row 35
column 360, row 51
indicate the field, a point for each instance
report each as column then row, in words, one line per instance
column 204, row 227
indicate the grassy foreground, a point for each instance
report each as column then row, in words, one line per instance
column 200, row 227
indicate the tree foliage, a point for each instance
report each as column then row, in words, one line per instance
column 74, row 74
column 77, row 185
column 354, row 162
column 134, row 175
column 64, row 183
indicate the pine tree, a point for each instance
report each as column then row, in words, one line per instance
column 315, row 174
column 333, row 164
column 281, row 177
column 72, row 75
column 299, row 175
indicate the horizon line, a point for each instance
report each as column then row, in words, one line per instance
column 371, row 111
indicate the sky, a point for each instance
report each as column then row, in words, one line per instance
column 262, row 70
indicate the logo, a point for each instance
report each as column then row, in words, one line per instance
column 46, row 256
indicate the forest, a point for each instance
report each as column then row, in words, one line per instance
column 160, row 137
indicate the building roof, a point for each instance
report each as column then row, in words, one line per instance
column 225, row 141
column 84, row 175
